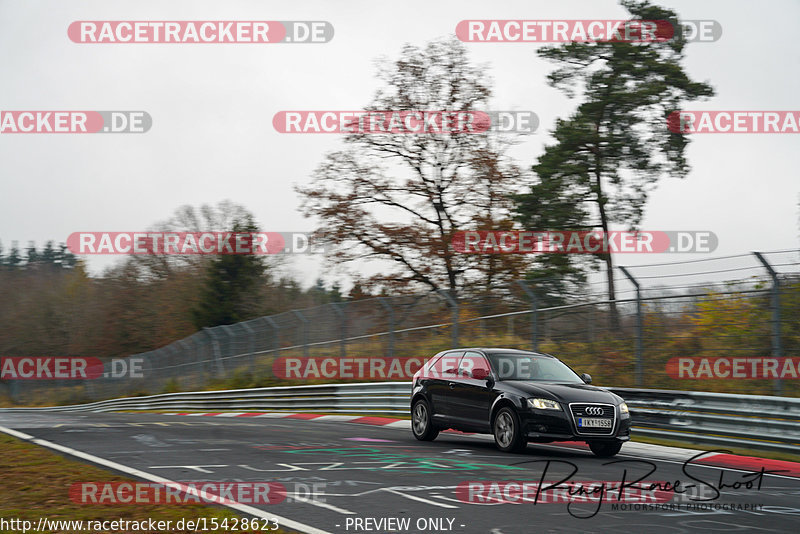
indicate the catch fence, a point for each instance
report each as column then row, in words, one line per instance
column 745, row 306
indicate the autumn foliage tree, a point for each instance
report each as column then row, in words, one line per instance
column 51, row 305
column 400, row 198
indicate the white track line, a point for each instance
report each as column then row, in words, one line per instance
column 326, row 505
column 249, row 510
column 405, row 425
column 420, row 499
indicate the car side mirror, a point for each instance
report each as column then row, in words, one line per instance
column 587, row 378
column 480, row 374
column 489, row 382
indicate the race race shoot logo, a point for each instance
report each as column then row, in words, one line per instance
column 21, row 122
column 372, row 368
column 521, row 492
column 733, row 122
column 200, row 31
column 586, row 31
column 191, row 243
column 405, row 122
column 150, row 493
column 582, row 242
column 762, row 368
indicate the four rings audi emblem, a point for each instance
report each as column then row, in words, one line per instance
column 594, row 410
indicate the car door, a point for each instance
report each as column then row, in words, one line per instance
column 439, row 375
column 470, row 400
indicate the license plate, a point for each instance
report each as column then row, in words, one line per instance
column 586, row 422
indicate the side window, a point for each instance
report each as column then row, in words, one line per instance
column 443, row 365
column 449, row 364
column 431, row 364
column 474, row 365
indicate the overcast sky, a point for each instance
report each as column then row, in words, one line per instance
column 212, row 106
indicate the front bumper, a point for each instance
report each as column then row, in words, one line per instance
column 552, row 425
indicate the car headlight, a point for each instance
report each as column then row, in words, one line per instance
column 543, row 404
column 623, row 408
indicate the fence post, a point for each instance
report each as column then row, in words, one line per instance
column 534, row 314
column 88, row 387
column 339, row 308
column 229, row 331
column 250, row 346
column 185, row 346
column 216, row 350
column 204, row 355
column 304, row 326
column 639, row 328
column 13, row 391
column 276, row 338
column 387, row 304
column 777, row 349
column 174, row 358
column 452, row 300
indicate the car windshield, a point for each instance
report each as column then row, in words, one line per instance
column 531, row 367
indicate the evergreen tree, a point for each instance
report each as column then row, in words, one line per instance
column 232, row 279
column 610, row 153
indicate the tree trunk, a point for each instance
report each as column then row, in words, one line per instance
column 612, row 294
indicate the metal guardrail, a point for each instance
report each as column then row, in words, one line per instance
column 747, row 421
column 375, row 397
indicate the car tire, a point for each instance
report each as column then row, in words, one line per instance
column 507, row 431
column 421, row 422
column 605, row 449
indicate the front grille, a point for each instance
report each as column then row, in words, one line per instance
column 594, row 411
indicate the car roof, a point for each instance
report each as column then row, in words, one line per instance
column 497, row 350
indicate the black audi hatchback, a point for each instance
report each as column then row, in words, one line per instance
column 519, row 397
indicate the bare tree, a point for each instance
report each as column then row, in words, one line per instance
column 401, row 198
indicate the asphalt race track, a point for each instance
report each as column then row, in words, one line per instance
column 362, row 472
